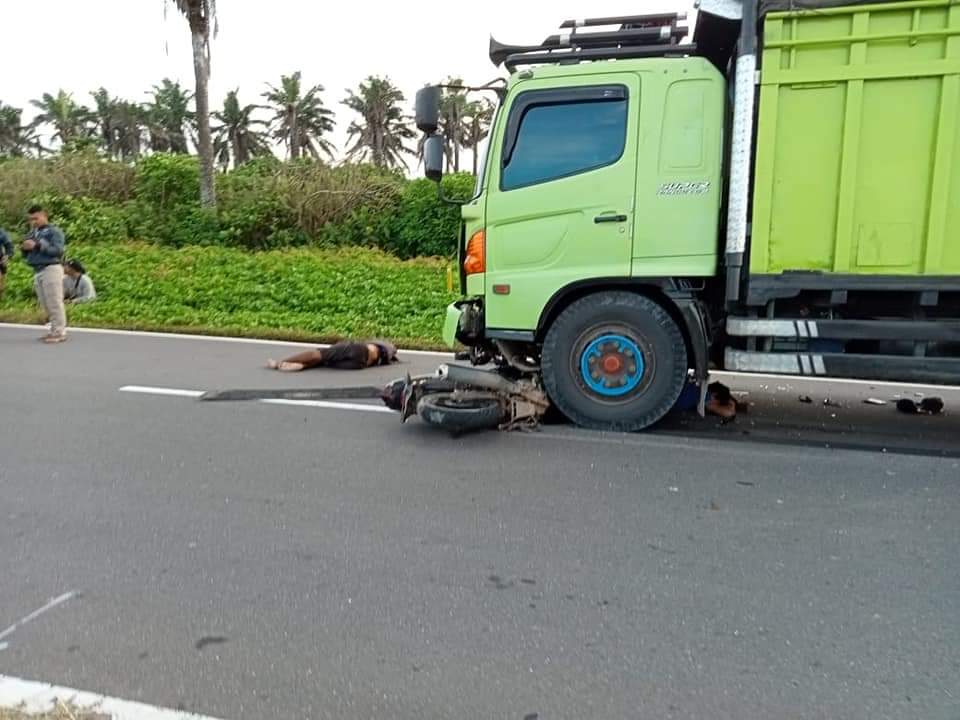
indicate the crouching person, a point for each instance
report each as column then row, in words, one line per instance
column 77, row 285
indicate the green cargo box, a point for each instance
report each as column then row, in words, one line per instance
column 858, row 142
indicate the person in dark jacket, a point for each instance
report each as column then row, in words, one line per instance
column 6, row 252
column 43, row 249
column 346, row 355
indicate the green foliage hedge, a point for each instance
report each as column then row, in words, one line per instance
column 267, row 204
column 304, row 293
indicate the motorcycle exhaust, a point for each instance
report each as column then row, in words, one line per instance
column 460, row 375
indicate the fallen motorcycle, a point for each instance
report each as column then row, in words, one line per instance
column 456, row 398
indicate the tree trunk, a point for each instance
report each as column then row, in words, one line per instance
column 239, row 157
column 294, row 136
column 457, row 122
column 201, row 69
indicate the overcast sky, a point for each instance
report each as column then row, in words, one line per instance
column 128, row 45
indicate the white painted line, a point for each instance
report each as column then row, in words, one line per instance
column 332, row 405
column 35, row 614
column 146, row 390
column 38, row 697
column 208, row 338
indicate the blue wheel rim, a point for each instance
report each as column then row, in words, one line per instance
column 612, row 365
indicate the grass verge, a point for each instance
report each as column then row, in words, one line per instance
column 312, row 295
column 61, row 711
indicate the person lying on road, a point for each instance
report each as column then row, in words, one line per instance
column 345, row 355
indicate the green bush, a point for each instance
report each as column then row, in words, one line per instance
column 166, row 181
column 26, row 180
column 253, row 212
column 423, row 224
column 84, row 219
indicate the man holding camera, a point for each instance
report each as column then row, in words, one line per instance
column 43, row 249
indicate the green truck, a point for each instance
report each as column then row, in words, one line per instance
column 779, row 194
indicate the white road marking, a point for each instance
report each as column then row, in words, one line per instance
column 207, row 338
column 147, row 390
column 38, row 697
column 34, row 615
column 330, row 404
column 180, row 392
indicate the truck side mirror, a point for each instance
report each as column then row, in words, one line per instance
column 427, row 109
column 433, row 157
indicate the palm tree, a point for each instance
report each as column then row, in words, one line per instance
column 70, row 121
column 201, row 15
column 237, row 137
column 300, row 119
column 453, row 109
column 168, row 117
column 476, row 126
column 16, row 139
column 130, row 123
column 120, row 125
column 105, row 112
column 379, row 135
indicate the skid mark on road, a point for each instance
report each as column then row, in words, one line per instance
column 34, row 615
column 39, row 697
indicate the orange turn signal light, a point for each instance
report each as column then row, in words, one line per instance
column 475, row 260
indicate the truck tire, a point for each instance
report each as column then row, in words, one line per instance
column 460, row 415
column 614, row 361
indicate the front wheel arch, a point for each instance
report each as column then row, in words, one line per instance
column 637, row 361
column 682, row 306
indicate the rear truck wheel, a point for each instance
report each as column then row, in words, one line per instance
column 461, row 413
column 614, row 361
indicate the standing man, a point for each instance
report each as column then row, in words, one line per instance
column 43, row 249
column 6, row 252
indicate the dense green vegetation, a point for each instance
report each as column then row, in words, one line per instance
column 296, row 293
column 264, row 204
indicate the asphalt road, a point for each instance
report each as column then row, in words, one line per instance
column 247, row 560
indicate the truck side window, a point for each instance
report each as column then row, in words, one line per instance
column 558, row 139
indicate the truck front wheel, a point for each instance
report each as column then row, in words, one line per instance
column 614, row 361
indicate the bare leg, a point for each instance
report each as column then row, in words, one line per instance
column 726, row 410
column 298, row 362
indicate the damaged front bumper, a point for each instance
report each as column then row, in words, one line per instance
column 463, row 323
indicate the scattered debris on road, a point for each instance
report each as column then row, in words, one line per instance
column 927, row 406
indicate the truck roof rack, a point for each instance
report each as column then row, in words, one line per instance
column 639, row 36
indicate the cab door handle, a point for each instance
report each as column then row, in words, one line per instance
column 610, row 218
